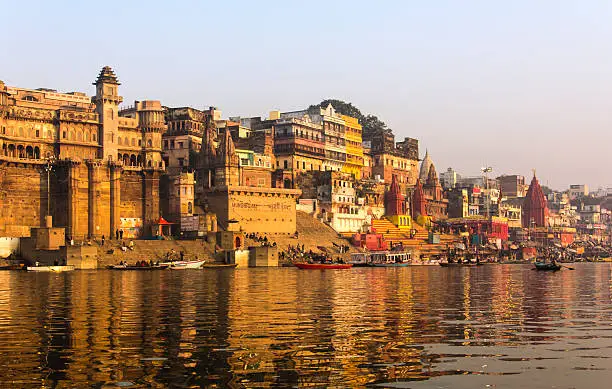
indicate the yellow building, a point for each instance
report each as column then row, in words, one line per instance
column 354, row 148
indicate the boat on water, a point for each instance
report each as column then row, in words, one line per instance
column 549, row 266
column 50, row 268
column 390, row 264
column 142, row 268
column 304, row 265
column 180, row 265
column 463, row 264
column 381, row 259
column 218, row 265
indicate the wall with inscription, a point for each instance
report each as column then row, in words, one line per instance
column 265, row 211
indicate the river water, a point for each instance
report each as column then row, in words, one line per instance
column 495, row 326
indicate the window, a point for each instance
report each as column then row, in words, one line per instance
column 64, row 135
column 171, row 144
column 285, row 165
column 181, row 161
column 180, row 145
column 165, row 144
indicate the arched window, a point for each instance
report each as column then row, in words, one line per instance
column 126, row 159
column 36, row 152
column 119, row 141
column 133, row 141
column 149, row 163
column 149, row 143
column 94, row 137
column 133, row 160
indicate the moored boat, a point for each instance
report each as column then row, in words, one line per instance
column 550, row 266
column 218, row 265
column 180, row 265
column 134, row 267
column 50, row 268
column 455, row 264
column 390, row 264
column 303, row 265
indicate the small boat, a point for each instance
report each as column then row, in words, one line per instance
column 390, row 264
column 303, row 265
column 50, row 268
column 550, row 266
column 455, row 264
column 218, row 265
column 180, row 265
column 133, row 267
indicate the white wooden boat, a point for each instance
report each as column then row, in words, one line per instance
column 179, row 265
column 50, row 268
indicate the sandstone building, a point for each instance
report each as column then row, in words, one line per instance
column 104, row 164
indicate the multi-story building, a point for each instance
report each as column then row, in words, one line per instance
column 578, row 191
column 183, row 139
column 93, row 168
column 334, row 130
column 338, row 202
column 299, row 144
column 458, row 202
column 449, row 178
column 354, row 147
column 389, row 164
column 512, row 185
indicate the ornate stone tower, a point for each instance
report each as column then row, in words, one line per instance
column 227, row 171
column 152, row 125
column 425, row 165
column 535, row 206
column 394, row 200
column 107, row 102
column 433, row 183
column 207, row 157
column 418, row 200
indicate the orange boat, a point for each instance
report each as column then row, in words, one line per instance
column 304, row 265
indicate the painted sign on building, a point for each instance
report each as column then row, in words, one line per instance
column 190, row 223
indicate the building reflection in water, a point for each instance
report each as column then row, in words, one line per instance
column 285, row 327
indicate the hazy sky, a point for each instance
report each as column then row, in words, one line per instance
column 512, row 84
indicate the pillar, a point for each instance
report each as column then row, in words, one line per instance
column 92, row 209
column 150, row 196
column 115, row 199
column 73, row 187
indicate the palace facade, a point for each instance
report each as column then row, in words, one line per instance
column 91, row 166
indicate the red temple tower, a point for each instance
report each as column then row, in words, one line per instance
column 418, row 200
column 395, row 203
column 535, row 206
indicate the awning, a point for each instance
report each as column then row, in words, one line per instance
column 163, row 222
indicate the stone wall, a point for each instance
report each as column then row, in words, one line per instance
column 266, row 210
column 20, row 198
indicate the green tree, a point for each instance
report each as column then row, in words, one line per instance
column 371, row 123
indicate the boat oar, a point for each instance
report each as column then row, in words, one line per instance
column 567, row 267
